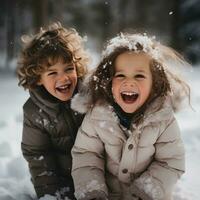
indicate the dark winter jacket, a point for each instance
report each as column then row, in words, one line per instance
column 49, row 132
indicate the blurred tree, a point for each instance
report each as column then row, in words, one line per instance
column 122, row 14
column 102, row 21
column 175, row 22
column 75, row 14
column 10, row 33
column 189, row 31
column 56, row 10
column 141, row 7
column 40, row 12
column 2, row 34
column 175, row 13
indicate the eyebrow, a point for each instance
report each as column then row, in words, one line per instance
column 70, row 63
column 49, row 70
column 67, row 66
column 139, row 70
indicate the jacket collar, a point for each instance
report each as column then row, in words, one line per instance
column 46, row 101
column 154, row 113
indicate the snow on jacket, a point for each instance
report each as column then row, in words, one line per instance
column 112, row 162
column 49, row 132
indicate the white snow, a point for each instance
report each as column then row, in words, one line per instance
column 93, row 185
column 146, row 183
column 15, row 181
column 39, row 158
column 102, row 124
column 131, row 42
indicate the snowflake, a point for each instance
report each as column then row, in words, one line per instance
column 102, row 124
column 39, row 158
column 111, row 129
column 45, row 173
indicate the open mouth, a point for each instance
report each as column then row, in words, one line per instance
column 129, row 97
column 64, row 88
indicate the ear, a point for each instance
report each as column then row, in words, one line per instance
column 39, row 83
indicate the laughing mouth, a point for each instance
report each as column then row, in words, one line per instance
column 129, row 97
column 64, row 88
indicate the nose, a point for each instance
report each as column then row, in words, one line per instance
column 129, row 82
column 63, row 77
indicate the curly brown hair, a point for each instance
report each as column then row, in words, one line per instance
column 45, row 49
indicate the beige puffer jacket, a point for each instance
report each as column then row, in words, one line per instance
column 111, row 162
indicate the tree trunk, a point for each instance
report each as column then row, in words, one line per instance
column 175, row 38
column 122, row 14
column 40, row 13
column 141, row 19
column 10, row 33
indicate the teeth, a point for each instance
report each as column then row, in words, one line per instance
column 129, row 93
column 63, row 87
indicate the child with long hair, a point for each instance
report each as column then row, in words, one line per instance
column 51, row 66
column 129, row 145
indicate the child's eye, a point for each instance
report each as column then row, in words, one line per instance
column 51, row 73
column 69, row 69
column 119, row 76
column 139, row 76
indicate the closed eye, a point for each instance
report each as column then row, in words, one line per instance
column 119, row 76
column 140, row 76
column 51, row 73
column 71, row 68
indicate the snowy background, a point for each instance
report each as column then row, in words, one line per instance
column 178, row 24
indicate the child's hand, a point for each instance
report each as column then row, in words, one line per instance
column 138, row 193
column 96, row 195
column 99, row 198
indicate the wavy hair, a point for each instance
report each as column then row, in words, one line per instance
column 163, row 78
column 45, row 49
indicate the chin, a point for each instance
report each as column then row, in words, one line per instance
column 128, row 110
column 63, row 98
column 66, row 99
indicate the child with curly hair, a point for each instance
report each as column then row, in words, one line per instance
column 129, row 145
column 51, row 66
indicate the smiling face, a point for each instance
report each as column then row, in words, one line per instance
column 60, row 80
column 132, row 81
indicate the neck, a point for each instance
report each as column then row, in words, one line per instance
column 126, row 119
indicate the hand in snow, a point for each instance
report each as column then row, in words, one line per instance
column 96, row 195
column 99, row 199
column 138, row 193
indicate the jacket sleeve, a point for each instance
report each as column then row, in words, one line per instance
column 158, row 180
column 36, row 149
column 88, row 163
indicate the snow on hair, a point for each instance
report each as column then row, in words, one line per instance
column 168, row 57
column 132, row 42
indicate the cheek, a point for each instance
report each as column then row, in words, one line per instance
column 146, row 89
column 43, row 80
column 115, row 88
column 150, row 85
column 73, row 77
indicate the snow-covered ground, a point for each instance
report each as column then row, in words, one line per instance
column 14, row 176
